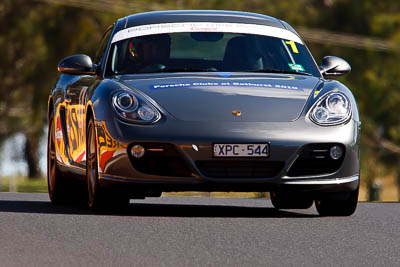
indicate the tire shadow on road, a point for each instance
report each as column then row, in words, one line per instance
column 154, row 210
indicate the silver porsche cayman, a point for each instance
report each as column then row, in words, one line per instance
column 204, row 101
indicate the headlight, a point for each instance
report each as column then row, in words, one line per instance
column 332, row 109
column 125, row 102
column 134, row 108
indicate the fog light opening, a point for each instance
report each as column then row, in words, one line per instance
column 137, row 151
column 336, row 152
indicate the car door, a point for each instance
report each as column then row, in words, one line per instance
column 75, row 98
column 75, row 109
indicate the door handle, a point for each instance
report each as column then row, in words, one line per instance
column 67, row 97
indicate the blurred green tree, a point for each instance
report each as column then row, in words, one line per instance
column 34, row 38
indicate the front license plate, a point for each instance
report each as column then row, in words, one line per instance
column 241, row 150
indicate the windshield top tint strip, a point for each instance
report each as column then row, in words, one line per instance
column 205, row 27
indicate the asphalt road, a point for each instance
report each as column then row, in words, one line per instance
column 182, row 231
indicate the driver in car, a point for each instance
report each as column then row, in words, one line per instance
column 149, row 53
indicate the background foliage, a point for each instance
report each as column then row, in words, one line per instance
column 36, row 35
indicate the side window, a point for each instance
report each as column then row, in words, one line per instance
column 103, row 45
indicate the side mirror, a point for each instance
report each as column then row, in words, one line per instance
column 334, row 66
column 77, row 65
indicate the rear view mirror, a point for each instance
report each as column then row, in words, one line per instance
column 334, row 66
column 207, row 36
column 77, row 65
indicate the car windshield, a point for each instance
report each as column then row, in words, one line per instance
column 208, row 52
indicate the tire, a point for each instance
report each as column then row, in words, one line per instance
column 338, row 207
column 98, row 198
column 57, row 187
column 281, row 200
column 95, row 199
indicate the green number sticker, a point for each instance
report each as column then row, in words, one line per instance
column 296, row 67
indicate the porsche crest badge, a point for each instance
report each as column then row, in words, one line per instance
column 236, row 113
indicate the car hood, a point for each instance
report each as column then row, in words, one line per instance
column 215, row 96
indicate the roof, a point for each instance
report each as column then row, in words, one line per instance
column 156, row 17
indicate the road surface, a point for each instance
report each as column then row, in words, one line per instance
column 190, row 231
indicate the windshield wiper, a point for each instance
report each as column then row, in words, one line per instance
column 280, row 71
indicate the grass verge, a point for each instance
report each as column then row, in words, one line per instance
column 23, row 184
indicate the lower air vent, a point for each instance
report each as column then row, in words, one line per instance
column 160, row 159
column 315, row 159
column 239, row 169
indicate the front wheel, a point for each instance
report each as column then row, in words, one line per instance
column 95, row 199
column 98, row 198
column 338, row 207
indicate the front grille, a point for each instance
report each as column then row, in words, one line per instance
column 239, row 169
column 315, row 159
column 160, row 159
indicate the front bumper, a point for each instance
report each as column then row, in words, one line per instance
column 312, row 186
column 286, row 141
